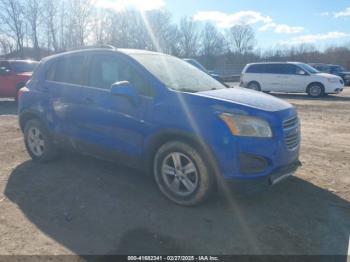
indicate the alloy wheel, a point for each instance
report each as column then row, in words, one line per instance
column 35, row 141
column 180, row 174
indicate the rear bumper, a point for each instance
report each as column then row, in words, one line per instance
column 264, row 183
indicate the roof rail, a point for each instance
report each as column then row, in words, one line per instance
column 94, row 47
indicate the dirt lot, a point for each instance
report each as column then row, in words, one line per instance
column 80, row 205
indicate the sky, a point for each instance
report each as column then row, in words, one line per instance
column 318, row 22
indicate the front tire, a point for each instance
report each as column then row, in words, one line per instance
column 182, row 174
column 38, row 142
column 315, row 90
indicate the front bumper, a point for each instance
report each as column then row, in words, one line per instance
column 263, row 183
column 334, row 88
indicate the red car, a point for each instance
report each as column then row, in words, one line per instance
column 13, row 76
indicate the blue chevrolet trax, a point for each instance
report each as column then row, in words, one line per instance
column 160, row 114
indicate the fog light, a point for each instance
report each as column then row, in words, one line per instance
column 252, row 164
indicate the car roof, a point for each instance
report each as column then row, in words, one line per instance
column 97, row 49
column 272, row 63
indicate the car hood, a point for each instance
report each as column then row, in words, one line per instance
column 327, row 75
column 247, row 97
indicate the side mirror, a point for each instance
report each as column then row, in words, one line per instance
column 125, row 89
column 302, row 73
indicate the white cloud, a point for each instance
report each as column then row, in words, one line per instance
column 282, row 28
column 324, row 14
column 303, row 39
column 344, row 13
column 227, row 20
column 248, row 18
column 119, row 5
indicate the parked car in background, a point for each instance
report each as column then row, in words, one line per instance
column 201, row 67
column 13, row 76
column 290, row 77
column 334, row 70
column 158, row 113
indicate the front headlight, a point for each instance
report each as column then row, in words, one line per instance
column 333, row 80
column 242, row 125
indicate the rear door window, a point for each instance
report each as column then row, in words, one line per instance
column 287, row 69
column 272, row 69
column 69, row 69
column 256, row 69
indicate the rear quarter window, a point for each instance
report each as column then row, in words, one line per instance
column 255, row 69
column 69, row 70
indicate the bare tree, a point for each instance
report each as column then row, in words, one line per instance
column 188, row 37
column 79, row 18
column 33, row 15
column 212, row 40
column 161, row 32
column 6, row 45
column 51, row 23
column 12, row 20
column 242, row 38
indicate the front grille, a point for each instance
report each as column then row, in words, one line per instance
column 291, row 122
column 291, row 132
column 292, row 141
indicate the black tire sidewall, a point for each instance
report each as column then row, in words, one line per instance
column 205, row 178
column 256, row 84
column 314, row 85
column 49, row 149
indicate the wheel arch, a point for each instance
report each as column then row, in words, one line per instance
column 163, row 137
column 315, row 83
column 254, row 82
column 29, row 115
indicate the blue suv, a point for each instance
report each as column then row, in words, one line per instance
column 160, row 114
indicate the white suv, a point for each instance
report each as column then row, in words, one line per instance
column 290, row 77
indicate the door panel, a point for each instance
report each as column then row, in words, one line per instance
column 7, row 80
column 113, row 122
column 64, row 81
column 64, row 108
column 291, row 80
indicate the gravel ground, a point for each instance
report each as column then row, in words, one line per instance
column 79, row 205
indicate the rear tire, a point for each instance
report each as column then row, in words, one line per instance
column 315, row 90
column 182, row 174
column 254, row 86
column 38, row 142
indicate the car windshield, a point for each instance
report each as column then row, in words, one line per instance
column 24, row 66
column 336, row 69
column 309, row 69
column 196, row 64
column 177, row 74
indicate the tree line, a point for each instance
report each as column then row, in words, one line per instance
column 52, row 26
